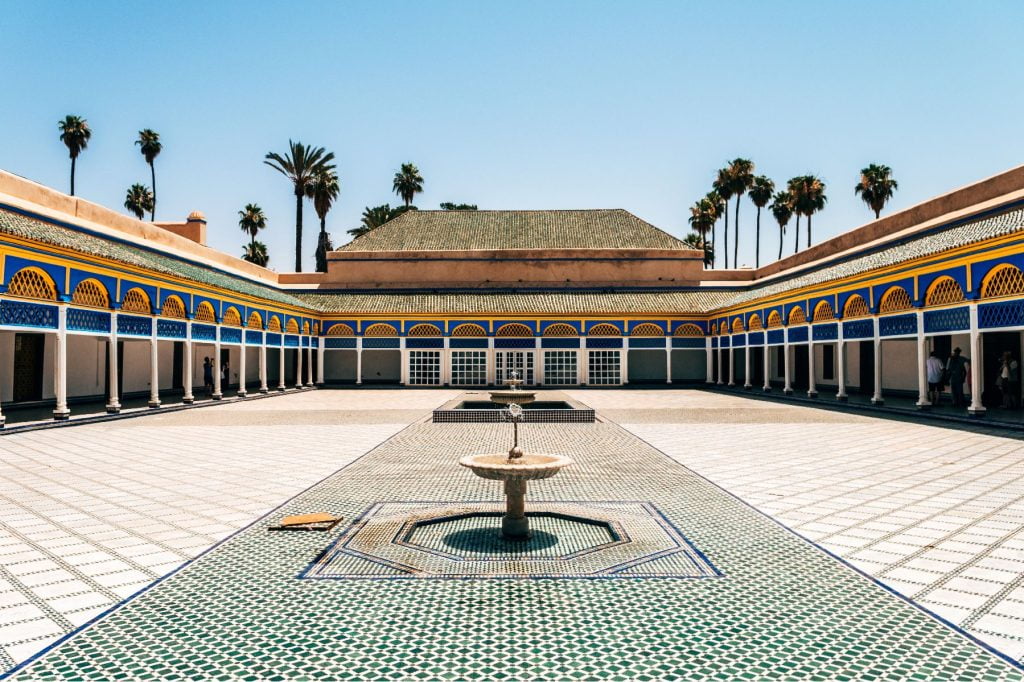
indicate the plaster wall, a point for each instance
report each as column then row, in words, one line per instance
column 689, row 365
column 899, row 364
column 340, row 366
column 87, row 364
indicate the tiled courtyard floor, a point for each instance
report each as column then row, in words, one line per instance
column 105, row 508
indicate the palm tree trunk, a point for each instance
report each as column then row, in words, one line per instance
column 878, row 212
column 725, row 253
column 757, row 240
column 809, row 229
column 713, row 241
column 72, row 176
column 298, row 231
column 782, row 233
column 736, row 234
column 152, row 175
column 796, row 243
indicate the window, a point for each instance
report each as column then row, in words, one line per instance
column 604, row 367
column 469, row 368
column 560, row 367
column 424, row 367
column 519, row 361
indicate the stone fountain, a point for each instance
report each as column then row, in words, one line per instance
column 513, row 395
column 515, row 469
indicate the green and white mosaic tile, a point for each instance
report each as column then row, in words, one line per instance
column 781, row 608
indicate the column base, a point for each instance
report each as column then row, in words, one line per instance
column 843, row 398
column 766, row 389
column 114, row 408
column 923, row 406
column 976, row 412
column 241, row 394
column 787, row 391
column 217, row 396
column 282, row 389
column 877, row 401
column 264, row 390
column 812, row 394
column 153, row 404
column 3, row 420
column 747, row 387
column 61, row 415
column 188, row 400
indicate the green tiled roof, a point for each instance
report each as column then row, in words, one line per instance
column 48, row 233
column 477, row 230
column 926, row 245
column 520, row 303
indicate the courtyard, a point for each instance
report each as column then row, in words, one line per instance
column 749, row 539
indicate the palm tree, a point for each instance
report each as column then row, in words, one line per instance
column 300, row 164
column 149, row 143
column 876, row 186
column 760, row 193
column 813, row 200
column 699, row 243
column 252, row 220
column 139, row 200
column 741, row 174
column 325, row 191
column 373, row 217
column 702, row 220
column 408, row 182
column 75, row 134
column 717, row 207
column 256, row 252
column 723, row 187
column 782, row 210
column 795, row 189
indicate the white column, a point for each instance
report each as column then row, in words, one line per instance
column 732, row 363
column 922, row 364
column 718, row 374
column 668, row 360
column 624, row 362
column 217, row 394
column 60, row 366
column 280, row 366
column 359, row 360
column 263, row 365
column 309, row 364
column 538, row 365
column 709, row 359
column 298, row 364
column 241, row 368
column 403, row 375
column 154, row 368
column 841, row 365
column 320, row 353
column 186, row 379
column 812, row 384
column 584, row 362
column 113, row 401
column 746, row 364
column 446, row 363
column 876, row 398
column 492, row 365
column 787, row 361
column 767, row 365
column 977, row 366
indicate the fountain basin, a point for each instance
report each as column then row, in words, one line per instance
column 531, row 467
column 512, row 396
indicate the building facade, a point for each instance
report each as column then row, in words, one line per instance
column 94, row 304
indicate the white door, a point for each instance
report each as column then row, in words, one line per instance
column 519, row 361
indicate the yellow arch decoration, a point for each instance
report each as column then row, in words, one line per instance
column 32, row 283
column 855, row 307
column 340, row 329
column 513, row 329
column 604, row 329
column 796, row 316
column 423, row 330
column 205, row 312
column 305, row 327
column 291, row 326
column 136, row 301
column 274, row 324
column 754, row 323
column 91, row 293
column 232, row 317
column 380, row 329
column 1003, row 280
column 688, row 330
column 737, row 326
column 774, row 320
column 647, row 329
column 560, row 329
column 469, row 329
column 943, row 291
column 823, row 312
column 173, row 307
column 894, row 300
column 255, row 320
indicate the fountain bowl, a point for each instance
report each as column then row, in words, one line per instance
column 530, row 467
column 513, row 396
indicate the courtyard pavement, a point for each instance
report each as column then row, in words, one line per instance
column 92, row 514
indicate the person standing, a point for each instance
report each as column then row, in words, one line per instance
column 1009, row 380
column 934, row 369
column 225, row 375
column 208, row 375
column 957, row 366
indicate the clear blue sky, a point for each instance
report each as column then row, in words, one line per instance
column 513, row 105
